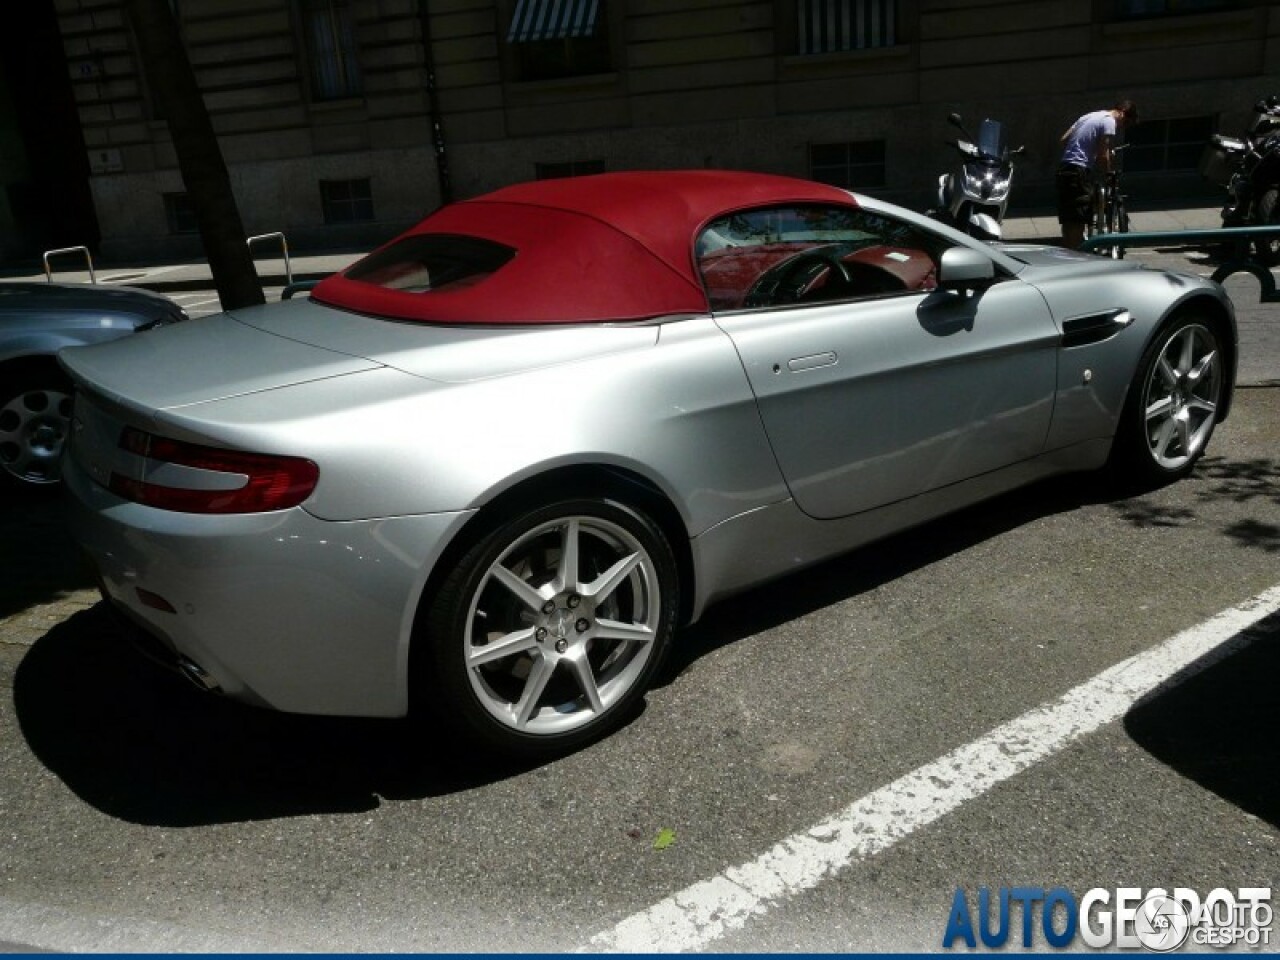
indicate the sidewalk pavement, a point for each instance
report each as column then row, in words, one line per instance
column 1044, row 227
column 1039, row 227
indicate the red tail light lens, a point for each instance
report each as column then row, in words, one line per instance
column 252, row 482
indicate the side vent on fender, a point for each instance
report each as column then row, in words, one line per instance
column 1094, row 328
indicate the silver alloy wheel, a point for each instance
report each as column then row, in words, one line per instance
column 562, row 625
column 33, row 428
column 1181, row 396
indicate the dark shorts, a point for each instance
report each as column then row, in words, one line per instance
column 1075, row 196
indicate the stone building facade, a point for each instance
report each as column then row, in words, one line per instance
column 342, row 121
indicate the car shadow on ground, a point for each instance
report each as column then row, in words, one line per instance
column 1217, row 725
column 39, row 559
column 140, row 744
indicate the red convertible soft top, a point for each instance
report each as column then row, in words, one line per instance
column 610, row 247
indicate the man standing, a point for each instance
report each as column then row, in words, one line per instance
column 1086, row 151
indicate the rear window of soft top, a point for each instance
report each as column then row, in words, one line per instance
column 431, row 262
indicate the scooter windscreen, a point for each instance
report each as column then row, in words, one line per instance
column 992, row 144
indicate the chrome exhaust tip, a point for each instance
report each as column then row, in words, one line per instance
column 197, row 675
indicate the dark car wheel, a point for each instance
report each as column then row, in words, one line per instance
column 35, row 416
column 551, row 627
column 1173, row 403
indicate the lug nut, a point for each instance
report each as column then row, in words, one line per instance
column 574, row 600
column 540, row 634
column 582, row 626
column 549, row 606
column 562, row 646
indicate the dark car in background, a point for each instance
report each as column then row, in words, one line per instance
column 36, row 321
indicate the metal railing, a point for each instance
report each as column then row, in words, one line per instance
column 1240, row 239
column 284, row 247
column 48, row 272
column 302, row 286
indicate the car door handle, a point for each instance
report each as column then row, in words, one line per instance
column 812, row 362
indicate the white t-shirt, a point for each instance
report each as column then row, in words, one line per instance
column 1081, row 149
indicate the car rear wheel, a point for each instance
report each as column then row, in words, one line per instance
column 551, row 626
column 1173, row 404
column 35, row 416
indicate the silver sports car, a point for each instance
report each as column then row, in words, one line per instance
column 488, row 470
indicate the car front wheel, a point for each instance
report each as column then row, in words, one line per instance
column 551, row 626
column 35, row 415
column 1173, row 404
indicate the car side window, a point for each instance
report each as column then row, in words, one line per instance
column 781, row 256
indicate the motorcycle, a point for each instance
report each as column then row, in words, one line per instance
column 1249, row 167
column 974, row 197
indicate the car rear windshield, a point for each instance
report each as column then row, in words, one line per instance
column 425, row 263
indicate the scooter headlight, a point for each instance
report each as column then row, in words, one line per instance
column 987, row 185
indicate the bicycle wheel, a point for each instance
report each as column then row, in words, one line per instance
column 1097, row 221
column 1122, row 223
column 1114, row 220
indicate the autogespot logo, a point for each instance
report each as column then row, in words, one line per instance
column 1162, row 923
column 1127, row 918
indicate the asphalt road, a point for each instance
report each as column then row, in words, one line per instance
column 137, row 814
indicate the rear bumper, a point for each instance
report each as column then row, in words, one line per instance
column 281, row 610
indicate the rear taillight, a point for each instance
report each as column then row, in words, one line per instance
column 229, row 481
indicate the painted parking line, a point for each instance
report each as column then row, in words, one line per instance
column 712, row 908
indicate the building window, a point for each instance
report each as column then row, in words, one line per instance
column 574, row 168
column 850, row 166
column 1155, row 145
column 1128, row 9
column 554, row 39
column 331, row 44
column 831, row 26
column 180, row 214
column 346, row 201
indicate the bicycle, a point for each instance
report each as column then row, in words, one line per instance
column 1109, row 213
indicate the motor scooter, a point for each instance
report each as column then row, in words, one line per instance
column 1249, row 167
column 973, row 198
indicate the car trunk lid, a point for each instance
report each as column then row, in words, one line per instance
column 446, row 353
column 209, row 358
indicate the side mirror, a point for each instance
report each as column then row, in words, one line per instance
column 965, row 269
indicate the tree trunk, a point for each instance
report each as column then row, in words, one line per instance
column 173, row 85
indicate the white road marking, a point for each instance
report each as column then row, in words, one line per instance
column 706, row 911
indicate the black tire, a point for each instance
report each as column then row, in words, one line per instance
column 1172, row 407
column 1111, row 217
column 1097, row 219
column 590, row 648
column 35, row 419
column 1118, row 223
column 1268, row 215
